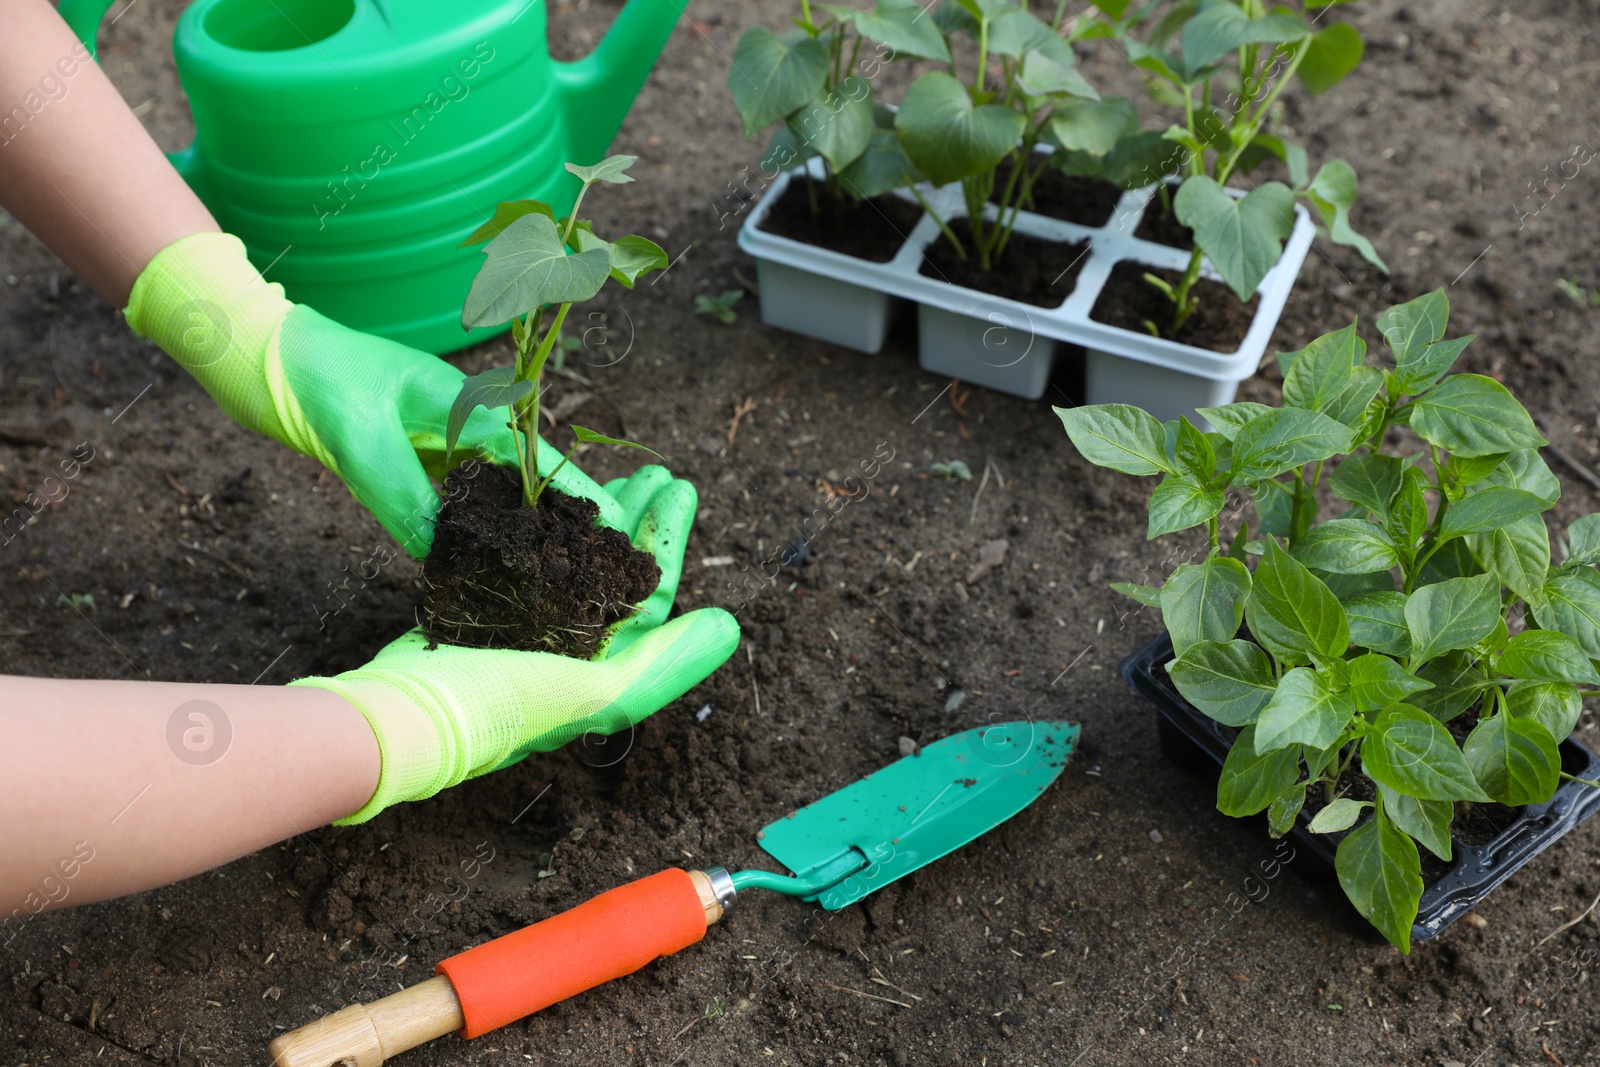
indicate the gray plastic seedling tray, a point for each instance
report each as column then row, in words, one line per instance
column 1004, row 344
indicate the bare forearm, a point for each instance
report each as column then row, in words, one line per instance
column 157, row 781
column 80, row 172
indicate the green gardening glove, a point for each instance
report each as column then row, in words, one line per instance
column 372, row 411
column 447, row 714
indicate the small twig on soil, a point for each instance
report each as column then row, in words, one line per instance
column 1567, row 926
column 869, row 996
column 1000, row 480
column 178, row 486
column 958, row 399
column 748, row 285
column 1551, row 1055
column 740, row 410
column 877, row 976
column 685, row 1030
column 1584, row 473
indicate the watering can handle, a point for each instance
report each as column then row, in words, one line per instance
column 598, row 89
column 484, row 988
column 83, row 17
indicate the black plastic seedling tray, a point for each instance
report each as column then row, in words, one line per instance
column 1193, row 740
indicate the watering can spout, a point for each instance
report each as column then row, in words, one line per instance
column 597, row 90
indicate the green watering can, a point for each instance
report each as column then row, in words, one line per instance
column 352, row 144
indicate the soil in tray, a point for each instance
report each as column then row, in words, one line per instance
column 545, row 579
column 1128, row 301
column 1160, row 226
column 1068, row 197
column 1032, row 270
column 872, row 230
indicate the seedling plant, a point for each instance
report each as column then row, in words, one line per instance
column 535, row 268
column 1233, row 61
column 1359, row 639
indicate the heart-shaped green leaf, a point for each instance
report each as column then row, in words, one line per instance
column 1332, row 53
column 946, row 136
column 900, row 25
column 611, row 169
column 505, row 213
column 1554, row 705
column 770, row 77
column 1119, row 436
column 496, row 387
column 1426, row 820
column 1332, row 192
column 1452, row 614
column 527, row 267
column 1306, row 709
column 839, row 125
column 1370, row 481
column 1572, row 606
column 1223, row 28
column 1204, row 601
column 1242, row 238
column 1515, row 760
column 1093, row 126
column 1182, row 501
column 1347, row 546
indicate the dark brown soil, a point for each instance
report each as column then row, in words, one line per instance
column 1128, row 301
column 1032, row 270
column 1161, row 226
column 544, row 579
column 1066, row 936
column 1068, row 197
column 872, row 230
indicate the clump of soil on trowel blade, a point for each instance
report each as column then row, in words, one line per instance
column 544, row 579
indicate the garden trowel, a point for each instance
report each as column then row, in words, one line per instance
column 839, row 849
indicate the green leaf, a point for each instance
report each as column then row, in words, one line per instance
column 1370, row 481
column 1452, row 614
column 898, row 24
column 1242, row 238
column 1229, row 419
column 1251, row 781
column 837, row 126
column 1284, row 809
column 1204, row 601
column 1515, row 760
column 1337, row 816
column 1572, row 606
column 1142, row 159
column 1231, row 681
column 1465, row 472
column 882, row 167
column 1306, row 709
column 1292, row 612
column 505, row 213
column 1547, row 656
column 496, row 387
column 1014, row 31
column 1118, row 436
column 1093, row 126
column 1426, row 820
column 1332, row 193
column 1411, row 752
column 1525, row 469
column 1317, row 374
column 1193, row 452
column 1411, row 327
column 633, row 255
column 1518, row 554
column 770, row 78
column 1148, row 595
column 946, row 136
column 1471, row 415
column 586, row 436
column 1554, row 705
column 1378, row 622
column 527, row 267
column 1182, row 501
column 1490, row 508
column 1223, row 28
column 1458, row 682
column 1052, row 74
column 1264, row 146
column 1381, row 873
column 1583, row 540
column 611, row 169
column 1378, row 681
column 1332, row 53
column 1285, row 438
column 1347, row 546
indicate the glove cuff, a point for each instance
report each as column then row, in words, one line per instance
column 418, row 745
column 207, row 307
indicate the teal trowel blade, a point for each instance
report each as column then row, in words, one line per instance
column 919, row 808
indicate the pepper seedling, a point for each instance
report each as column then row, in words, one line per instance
column 1356, row 641
column 533, row 263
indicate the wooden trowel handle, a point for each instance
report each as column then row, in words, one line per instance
column 484, row 988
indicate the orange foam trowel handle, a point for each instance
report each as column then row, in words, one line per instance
column 614, row 934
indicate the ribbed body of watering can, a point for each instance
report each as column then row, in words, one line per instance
column 352, row 144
